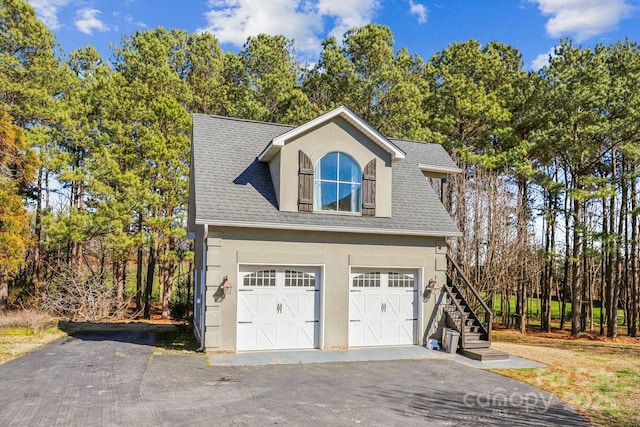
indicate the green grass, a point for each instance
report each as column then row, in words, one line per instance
column 176, row 339
column 534, row 307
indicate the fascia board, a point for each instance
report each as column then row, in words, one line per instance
column 324, row 228
column 278, row 142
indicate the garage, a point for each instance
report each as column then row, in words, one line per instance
column 382, row 307
column 278, row 308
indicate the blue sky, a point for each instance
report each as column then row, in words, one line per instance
column 423, row 26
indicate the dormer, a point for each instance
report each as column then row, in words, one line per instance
column 334, row 164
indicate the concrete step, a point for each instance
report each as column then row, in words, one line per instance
column 484, row 354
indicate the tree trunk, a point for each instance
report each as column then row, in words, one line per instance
column 38, row 234
column 633, row 315
column 139, row 262
column 576, row 282
column 4, row 288
column 168, row 271
column 167, row 279
column 613, row 287
column 548, row 270
column 151, row 266
column 521, row 301
column 119, row 268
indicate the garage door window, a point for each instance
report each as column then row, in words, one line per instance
column 367, row 280
column 299, row 279
column 398, row 280
column 261, row 278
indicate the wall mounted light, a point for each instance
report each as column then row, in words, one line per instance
column 226, row 285
column 433, row 284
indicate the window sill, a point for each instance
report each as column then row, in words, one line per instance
column 338, row 213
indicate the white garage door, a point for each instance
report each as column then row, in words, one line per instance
column 382, row 307
column 278, row 308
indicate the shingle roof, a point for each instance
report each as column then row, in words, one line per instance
column 233, row 188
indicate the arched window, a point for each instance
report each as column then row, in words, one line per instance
column 337, row 184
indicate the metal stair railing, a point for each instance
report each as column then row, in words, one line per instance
column 480, row 311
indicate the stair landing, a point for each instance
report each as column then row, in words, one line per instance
column 484, row 354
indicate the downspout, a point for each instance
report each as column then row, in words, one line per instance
column 203, row 287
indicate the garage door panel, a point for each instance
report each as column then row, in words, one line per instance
column 373, row 333
column 401, row 304
column 278, row 308
column 397, row 333
column 382, row 308
column 296, row 335
column 257, row 305
column 267, row 334
column 356, row 333
column 298, row 306
column 247, row 335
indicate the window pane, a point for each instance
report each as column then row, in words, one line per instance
column 345, row 200
column 298, row 278
column 317, row 195
column 349, row 197
column 328, row 196
column 397, row 280
column 329, row 166
column 367, row 280
column 349, row 169
column 261, row 278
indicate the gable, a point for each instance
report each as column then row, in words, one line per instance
column 343, row 112
column 335, row 135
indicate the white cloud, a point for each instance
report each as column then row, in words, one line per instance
column 47, row 11
column 346, row 14
column 232, row 21
column 542, row 60
column 419, row 10
column 583, row 19
column 87, row 21
column 130, row 20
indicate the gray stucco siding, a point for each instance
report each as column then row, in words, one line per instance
column 335, row 254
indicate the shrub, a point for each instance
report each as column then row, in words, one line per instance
column 180, row 304
column 83, row 297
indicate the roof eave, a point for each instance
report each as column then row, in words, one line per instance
column 278, row 142
column 445, row 170
column 324, row 228
column 270, row 151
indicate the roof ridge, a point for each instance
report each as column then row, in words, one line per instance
column 239, row 119
column 414, row 141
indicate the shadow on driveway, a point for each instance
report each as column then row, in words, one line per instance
column 165, row 336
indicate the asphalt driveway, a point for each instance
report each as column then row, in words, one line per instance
column 109, row 376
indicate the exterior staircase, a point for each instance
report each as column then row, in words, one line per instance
column 467, row 313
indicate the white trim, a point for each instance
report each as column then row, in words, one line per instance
column 439, row 169
column 279, row 142
column 301, row 227
column 203, row 287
